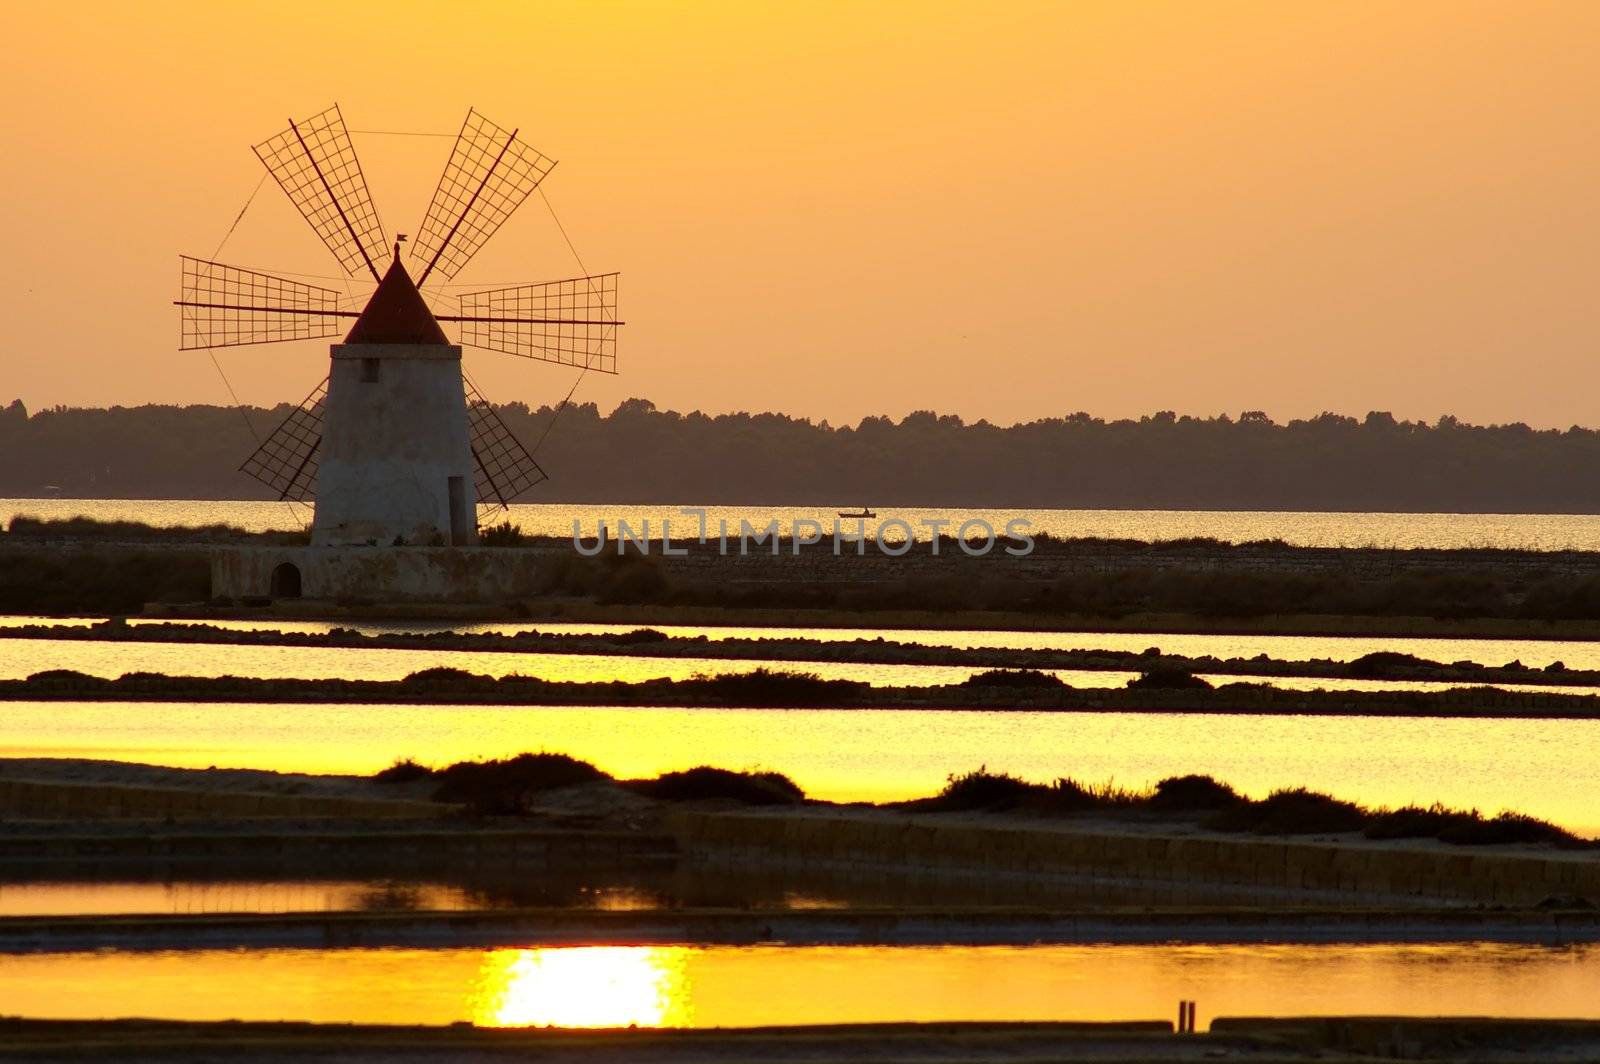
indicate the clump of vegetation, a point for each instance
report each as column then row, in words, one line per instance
column 1017, row 679
column 638, row 637
column 100, row 580
column 505, row 534
column 404, row 770
column 1193, row 794
column 704, row 783
column 1292, row 812
column 984, row 791
column 1465, row 828
column 1385, row 662
column 997, row 792
column 503, row 787
column 775, row 687
column 1168, row 679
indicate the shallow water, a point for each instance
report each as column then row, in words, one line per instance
column 1545, row 768
column 1317, row 529
column 1535, row 653
column 20, row 658
column 684, row 986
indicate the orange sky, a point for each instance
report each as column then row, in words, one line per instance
column 835, row 209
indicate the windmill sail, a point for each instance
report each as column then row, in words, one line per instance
column 224, row 306
column 286, row 461
column 571, row 322
column 316, row 165
column 505, row 469
column 488, row 175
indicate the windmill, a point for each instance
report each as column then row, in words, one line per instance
column 396, row 446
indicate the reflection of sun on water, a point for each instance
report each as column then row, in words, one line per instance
column 585, row 986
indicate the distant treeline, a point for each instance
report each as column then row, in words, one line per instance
column 638, row 454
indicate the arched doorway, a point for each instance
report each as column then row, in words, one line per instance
column 286, row 581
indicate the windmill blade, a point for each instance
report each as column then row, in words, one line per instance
column 505, row 469
column 571, row 322
column 316, row 165
column 224, row 306
column 488, row 175
column 287, row 460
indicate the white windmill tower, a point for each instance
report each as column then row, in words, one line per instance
column 396, row 447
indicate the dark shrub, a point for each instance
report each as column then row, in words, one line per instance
column 1505, row 829
column 1185, row 794
column 505, row 534
column 1168, row 680
column 1067, row 795
column 1013, row 678
column 704, row 783
column 638, row 636
column 1465, row 828
column 1384, row 662
column 503, row 787
column 985, row 790
column 404, row 770
column 769, row 687
column 1413, row 822
column 1292, row 812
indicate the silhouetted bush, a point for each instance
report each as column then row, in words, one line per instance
column 986, row 791
column 1505, row 829
column 1023, row 679
column 772, row 687
column 1187, row 794
column 404, row 770
column 100, row 580
column 503, row 787
column 638, row 637
column 505, row 534
column 1292, row 812
column 1383, row 662
column 705, row 783
column 1169, row 680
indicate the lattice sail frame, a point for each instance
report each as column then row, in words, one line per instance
column 488, row 175
column 287, row 459
column 228, row 306
column 572, row 322
column 503, row 468
column 315, row 163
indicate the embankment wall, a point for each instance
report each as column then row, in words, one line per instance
column 1361, row 873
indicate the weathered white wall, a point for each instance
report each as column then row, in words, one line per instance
column 383, row 574
column 390, row 446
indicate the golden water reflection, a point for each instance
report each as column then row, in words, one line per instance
column 1541, row 767
column 584, row 986
column 729, row 986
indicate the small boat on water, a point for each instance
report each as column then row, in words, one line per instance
column 863, row 514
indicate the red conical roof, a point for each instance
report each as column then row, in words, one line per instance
column 396, row 314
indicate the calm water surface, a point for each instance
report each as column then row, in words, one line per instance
column 679, row 986
column 20, row 658
column 1545, row 768
column 1520, row 531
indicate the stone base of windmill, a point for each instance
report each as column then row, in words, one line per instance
column 376, row 574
